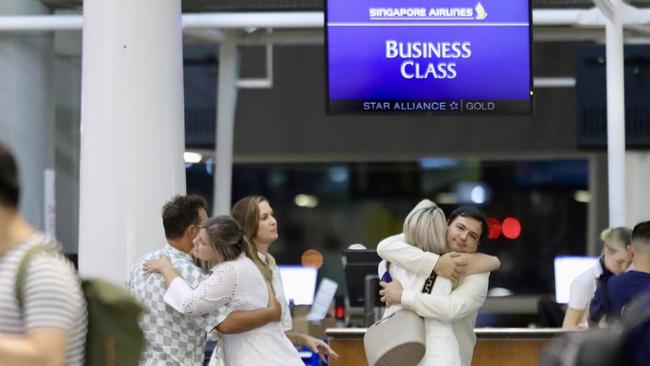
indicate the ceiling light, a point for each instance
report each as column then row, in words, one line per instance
column 192, row 157
column 582, row 196
column 306, row 200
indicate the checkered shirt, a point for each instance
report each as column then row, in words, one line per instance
column 172, row 338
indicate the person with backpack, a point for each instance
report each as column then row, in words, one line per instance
column 46, row 323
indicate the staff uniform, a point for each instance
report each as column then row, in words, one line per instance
column 612, row 298
column 582, row 291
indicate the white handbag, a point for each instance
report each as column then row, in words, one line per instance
column 398, row 339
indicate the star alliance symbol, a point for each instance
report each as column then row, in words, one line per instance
column 453, row 106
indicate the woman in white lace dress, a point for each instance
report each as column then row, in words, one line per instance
column 239, row 281
column 425, row 227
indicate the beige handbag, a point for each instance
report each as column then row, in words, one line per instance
column 396, row 340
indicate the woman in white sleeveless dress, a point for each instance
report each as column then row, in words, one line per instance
column 425, row 227
column 238, row 281
column 257, row 220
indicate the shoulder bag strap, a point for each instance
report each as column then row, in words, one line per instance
column 22, row 271
column 428, row 284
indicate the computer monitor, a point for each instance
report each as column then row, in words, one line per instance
column 566, row 269
column 358, row 265
column 299, row 283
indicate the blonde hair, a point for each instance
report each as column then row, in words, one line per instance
column 425, row 227
column 616, row 239
column 228, row 241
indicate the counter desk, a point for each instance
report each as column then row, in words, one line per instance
column 494, row 346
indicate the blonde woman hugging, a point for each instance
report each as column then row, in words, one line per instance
column 238, row 281
column 437, row 274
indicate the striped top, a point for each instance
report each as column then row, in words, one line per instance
column 52, row 296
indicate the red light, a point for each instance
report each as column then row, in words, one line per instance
column 494, row 228
column 511, row 228
column 340, row 312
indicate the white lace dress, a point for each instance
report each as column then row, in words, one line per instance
column 441, row 343
column 239, row 285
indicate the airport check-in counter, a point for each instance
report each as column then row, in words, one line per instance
column 494, row 346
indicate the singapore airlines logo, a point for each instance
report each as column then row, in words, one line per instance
column 480, row 12
column 440, row 13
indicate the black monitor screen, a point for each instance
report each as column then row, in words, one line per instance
column 358, row 265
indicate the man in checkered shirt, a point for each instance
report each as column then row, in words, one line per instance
column 173, row 338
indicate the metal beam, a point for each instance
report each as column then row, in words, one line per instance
column 580, row 18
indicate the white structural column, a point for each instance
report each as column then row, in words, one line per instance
column 226, row 105
column 26, row 108
column 615, row 114
column 637, row 180
column 66, row 133
column 132, row 137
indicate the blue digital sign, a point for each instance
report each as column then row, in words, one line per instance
column 429, row 56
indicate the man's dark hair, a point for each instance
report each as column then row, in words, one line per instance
column 9, row 187
column 474, row 213
column 641, row 231
column 181, row 212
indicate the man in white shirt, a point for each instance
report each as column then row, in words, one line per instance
column 467, row 228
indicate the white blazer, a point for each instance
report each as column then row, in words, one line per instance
column 460, row 307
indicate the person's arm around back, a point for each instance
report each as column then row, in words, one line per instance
column 480, row 262
column 468, row 297
column 395, row 249
column 245, row 320
column 224, row 320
